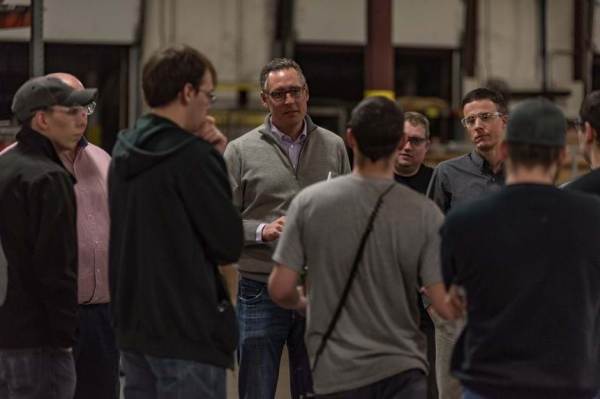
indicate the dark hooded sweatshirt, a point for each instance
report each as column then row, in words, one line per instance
column 172, row 222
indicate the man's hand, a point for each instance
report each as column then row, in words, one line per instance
column 457, row 300
column 273, row 230
column 210, row 133
column 302, row 302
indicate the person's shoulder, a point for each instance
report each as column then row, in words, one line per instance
column 97, row 152
column 478, row 210
column 589, row 183
column 249, row 137
column 453, row 162
column 326, row 135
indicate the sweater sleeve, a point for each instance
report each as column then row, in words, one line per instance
column 53, row 224
column 233, row 159
column 211, row 209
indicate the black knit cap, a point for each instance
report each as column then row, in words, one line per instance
column 537, row 121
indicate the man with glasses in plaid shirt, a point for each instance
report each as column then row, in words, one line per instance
column 461, row 180
column 268, row 166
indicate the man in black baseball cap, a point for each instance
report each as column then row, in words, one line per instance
column 525, row 264
column 39, row 238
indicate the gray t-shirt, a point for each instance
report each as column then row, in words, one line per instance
column 377, row 334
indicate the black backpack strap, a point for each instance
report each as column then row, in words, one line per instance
column 357, row 257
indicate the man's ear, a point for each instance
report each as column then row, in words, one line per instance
column 186, row 94
column 590, row 134
column 350, row 139
column 263, row 99
column 40, row 120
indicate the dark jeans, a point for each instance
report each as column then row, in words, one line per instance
column 530, row 393
column 411, row 384
column 264, row 329
column 96, row 354
column 428, row 329
column 149, row 377
column 36, row 373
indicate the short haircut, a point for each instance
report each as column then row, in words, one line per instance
column 170, row 69
column 532, row 155
column 417, row 119
column 590, row 110
column 278, row 64
column 483, row 93
column 377, row 124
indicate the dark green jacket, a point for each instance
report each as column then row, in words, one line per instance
column 172, row 222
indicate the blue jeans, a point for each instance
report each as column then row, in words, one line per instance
column 96, row 354
column 264, row 329
column 149, row 377
column 36, row 373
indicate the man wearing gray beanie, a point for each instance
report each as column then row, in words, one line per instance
column 525, row 264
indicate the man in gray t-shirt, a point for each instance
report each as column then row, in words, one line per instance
column 376, row 344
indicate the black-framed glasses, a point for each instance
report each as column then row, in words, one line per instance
column 416, row 141
column 212, row 97
column 280, row 95
column 485, row 117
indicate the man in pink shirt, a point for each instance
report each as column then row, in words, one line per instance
column 96, row 354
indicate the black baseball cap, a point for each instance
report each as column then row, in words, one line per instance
column 537, row 121
column 43, row 92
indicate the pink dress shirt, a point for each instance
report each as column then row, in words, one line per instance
column 90, row 168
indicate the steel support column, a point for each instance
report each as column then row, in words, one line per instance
column 36, row 44
column 379, row 54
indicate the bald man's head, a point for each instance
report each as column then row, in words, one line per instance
column 68, row 79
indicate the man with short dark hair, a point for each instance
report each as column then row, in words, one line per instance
column 375, row 349
column 589, row 144
column 532, row 308
column 268, row 166
column 459, row 181
column 172, row 223
column 466, row 178
column 409, row 168
column 38, row 235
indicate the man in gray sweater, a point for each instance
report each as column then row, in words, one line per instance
column 268, row 166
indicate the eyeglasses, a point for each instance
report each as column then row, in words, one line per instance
column 210, row 95
column 280, row 95
column 485, row 117
column 74, row 110
column 416, row 141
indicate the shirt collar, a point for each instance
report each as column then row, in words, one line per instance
column 282, row 137
column 483, row 165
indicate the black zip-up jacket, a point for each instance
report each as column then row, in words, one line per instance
column 39, row 237
column 172, row 222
